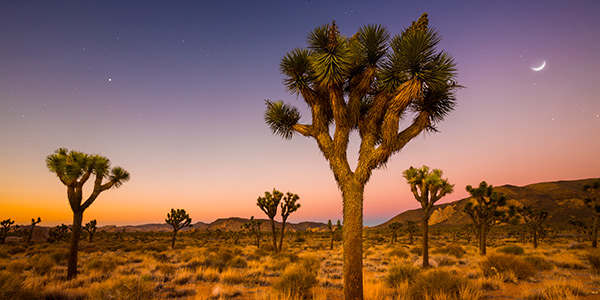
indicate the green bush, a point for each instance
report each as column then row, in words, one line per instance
column 504, row 264
column 297, row 280
column 434, row 283
column 511, row 249
column 122, row 289
column 400, row 273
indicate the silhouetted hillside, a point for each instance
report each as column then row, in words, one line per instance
column 562, row 199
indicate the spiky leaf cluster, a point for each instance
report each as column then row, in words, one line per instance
column 427, row 185
column 484, row 209
column 178, row 218
column 269, row 203
column 289, row 205
column 369, row 83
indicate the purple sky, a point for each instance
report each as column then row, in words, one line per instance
column 174, row 93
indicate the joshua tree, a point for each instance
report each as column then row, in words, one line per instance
column 579, row 227
column 411, row 229
column 5, row 228
column 269, row 204
column 90, row 227
column 428, row 187
column 33, row 223
column 331, row 233
column 58, row 233
column 395, row 227
column 253, row 227
column 74, row 169
column 483, row 210
column 178, row 219
column 593, row 202
column 368, row 83
column 288, row 206
column 533, row 219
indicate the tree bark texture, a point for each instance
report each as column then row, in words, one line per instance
column 281, row 236
column 76, row 228
column 173, row 239
column 353, row 226
column 425, row 241
column 274, row 236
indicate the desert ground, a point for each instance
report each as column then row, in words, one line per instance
column 228, row 265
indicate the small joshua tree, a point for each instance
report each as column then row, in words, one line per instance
column 74, row 169
column 288, row 206
column 579, row 226
column 533, row 219
column 5, row 228
column 411, row 228
column 483, row 210
column 269, row 204
column 90, row 227
column 331, row 233
column 178, row 219
column 33, row 223
column 253, row 227
column 593, row 202
column 428, row 187
column 395, row 227
column 58, row 233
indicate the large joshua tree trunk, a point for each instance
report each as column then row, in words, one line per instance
column 353, row 226
column 274, row 235
column 425, row 240
column 173, row 239
column 76, row 228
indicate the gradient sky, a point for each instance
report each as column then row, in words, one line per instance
column 173, row 91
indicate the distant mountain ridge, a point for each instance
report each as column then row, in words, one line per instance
column 224, row 224
column 563, row 200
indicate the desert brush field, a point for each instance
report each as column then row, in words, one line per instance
column 228, row 265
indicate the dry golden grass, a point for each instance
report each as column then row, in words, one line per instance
column 143, row 266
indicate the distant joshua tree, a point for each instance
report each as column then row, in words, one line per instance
column 411, row 228
column 90, row 227
column 269, row 204
column 33, row 223
column 579, row 226
column 593, row 202
column 178, row 219
column 253, row 227
column 288, row 206
column 428, row 187
column 331, row 233
column 483, row 210
column 533, row 218
column 5, row 228
column 395, row 227
column 73, row 170
column 58, row 233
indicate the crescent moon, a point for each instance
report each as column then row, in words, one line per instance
column 540, row 67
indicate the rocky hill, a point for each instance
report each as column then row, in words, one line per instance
column 562, row 199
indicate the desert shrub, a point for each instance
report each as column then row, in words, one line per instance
column 452, row 249
column 238, row 262
column 42, row 264
column 17, row 266
column 441, row 284
column 417, row 250
column 511, row 249
column 539, row 263
column 4, row 254
column 577, row 246
column 401, row 273
column 165, row 269
column 12, row 287
column 123, row 288
column 296, row 281
column 506, row 264
column 555, row 290
column 208, row 275
column 398, row 252
column 299, row 239
column 593, row 256
column 233, row 277
column 445, row 261
column 60, row 255
column 100, row 263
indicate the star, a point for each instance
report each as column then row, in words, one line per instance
column 110, row 80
